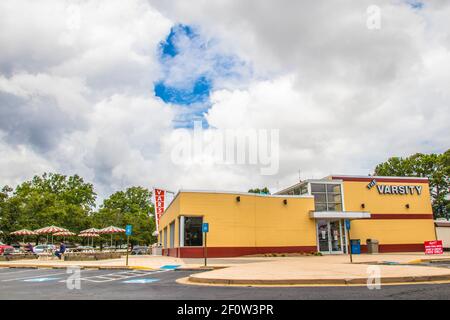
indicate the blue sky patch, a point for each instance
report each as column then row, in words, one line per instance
column 199, row 92
column 192, row 67
column 415, row 4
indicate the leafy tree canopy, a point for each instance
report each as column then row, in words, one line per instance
column 436, row 167
column 264, row 190
column 50, row 199
column 132, row 206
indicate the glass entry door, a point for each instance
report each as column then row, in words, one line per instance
column 330, row 236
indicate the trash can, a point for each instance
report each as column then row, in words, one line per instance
column 355, row 246
column 372, row 246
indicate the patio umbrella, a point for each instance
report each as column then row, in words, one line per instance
column 24, row 233
column 89, row 235
column 64, row 234
column 91, row 230
column 50, row 230
column 111, row 230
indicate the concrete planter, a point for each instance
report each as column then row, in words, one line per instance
column 18, row 257
column 92, row 256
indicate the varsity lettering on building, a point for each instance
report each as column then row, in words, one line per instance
column 402, row 190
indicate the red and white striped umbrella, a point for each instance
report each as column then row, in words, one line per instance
column 89, row 235
column 50, row 229
column 23, row 232
column 64, row 234
column 91, row 230
column 111, row 230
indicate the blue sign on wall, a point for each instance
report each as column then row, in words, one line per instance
column 347, row 224
column 128, row 229
column 205, row 227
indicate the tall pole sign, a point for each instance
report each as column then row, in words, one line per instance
column 205, row 229
column 128, row 232
column 347, row 227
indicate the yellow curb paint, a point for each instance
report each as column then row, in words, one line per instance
column 417, row 261
column 141, row 268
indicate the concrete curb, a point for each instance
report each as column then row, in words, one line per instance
column 283, row 282
column 200, row 268
column 93, row 267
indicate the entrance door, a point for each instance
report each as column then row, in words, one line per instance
column 323, row 236
column 330, row 236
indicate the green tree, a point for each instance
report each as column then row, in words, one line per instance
column 132, row 206
column 264, row 190
column 50, row 199
column 436, row 167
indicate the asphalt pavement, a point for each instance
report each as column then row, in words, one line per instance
column 153, row 285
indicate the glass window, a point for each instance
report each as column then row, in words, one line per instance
column 334, row 197
column 321, row 207
column 320, row 197
column 316, row 187
column 334, row 207
column 193, row 235
column 333, row 188
column 165, row 238
column 172, row 234
column 327, row 197
column 304, row 189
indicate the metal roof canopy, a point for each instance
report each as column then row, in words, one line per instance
column 339, row 215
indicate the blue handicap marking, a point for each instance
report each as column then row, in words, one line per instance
column 41, row 279
column 141, row 281
column 170, row 266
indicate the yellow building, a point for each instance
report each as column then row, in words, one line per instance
column 306, row 217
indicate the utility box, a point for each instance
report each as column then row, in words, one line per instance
column 157, row 249
column 372, row 246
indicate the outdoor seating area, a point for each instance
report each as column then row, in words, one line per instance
column 79, row 246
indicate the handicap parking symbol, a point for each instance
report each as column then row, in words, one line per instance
column 41, row 279
column 140, row 281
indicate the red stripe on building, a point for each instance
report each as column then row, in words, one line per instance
column 223, row 252
column 399, row 216
column 405, row 247
column 368, row 179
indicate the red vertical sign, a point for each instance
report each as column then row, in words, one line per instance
column 159, row 204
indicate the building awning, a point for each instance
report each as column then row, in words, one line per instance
column 339, row 215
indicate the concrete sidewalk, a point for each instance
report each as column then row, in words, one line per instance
column 327, row 270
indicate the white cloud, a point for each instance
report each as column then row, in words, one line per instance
column 76, row 87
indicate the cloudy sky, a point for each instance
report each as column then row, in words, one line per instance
column 99, row 87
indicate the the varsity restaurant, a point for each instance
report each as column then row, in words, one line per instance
column 306, row 217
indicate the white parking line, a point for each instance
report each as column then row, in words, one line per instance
column 21, row 271
column 120, row 276
column 35, row 276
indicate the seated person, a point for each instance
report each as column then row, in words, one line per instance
column 29, row 248
column 62, row 249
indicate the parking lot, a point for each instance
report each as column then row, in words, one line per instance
column 161, row 284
